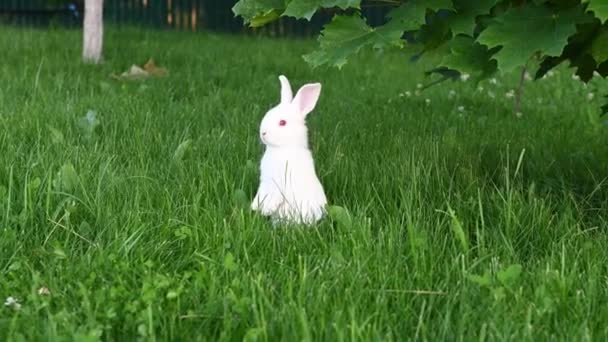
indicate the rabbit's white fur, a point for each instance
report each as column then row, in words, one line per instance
column 289, row 187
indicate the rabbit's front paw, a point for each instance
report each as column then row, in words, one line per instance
column 267, row 204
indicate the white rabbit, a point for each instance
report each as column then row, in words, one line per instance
column 289, row 187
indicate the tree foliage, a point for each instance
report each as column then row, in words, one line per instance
column 477, row 37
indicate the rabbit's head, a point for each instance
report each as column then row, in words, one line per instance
column 285, row 124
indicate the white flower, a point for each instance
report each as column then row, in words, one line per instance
column 527, row 76
column 550, row 73
column 519, row 114
column 408, row 93
column 451, row 94
column 575, row 77
column 465, row 77
column 596, row 74
column 480, row 88
column 12, row 302
column 427, row 101
column 493, row 80
column 510, row 94
column 491, row 94
column 44, row 291
column 590, row 96
column 461, row 109
column 419, row 85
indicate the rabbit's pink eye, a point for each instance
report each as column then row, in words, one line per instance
column 282, row 123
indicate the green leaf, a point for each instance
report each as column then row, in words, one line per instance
column 499, row 293
column 229, row 262
column 35, row 183
column 250, row 9
column 458, row 231
column 445, row 73
column 468, row 56
column 345, row 36
column 253, row 334
column 599, row 46
column 302, row 9
column 433, row 36
column 485, row 280
column 578, row 52
column 463, row 21
column 411, row 15
column 58, row 251
column 417, row 238
column 183, row 232
column 343, row 4
column 265, row 18
column 67, row 179
column 142, row 330
column 240, row 199
column 307, row 8
column 260, row 12
column 341, row 215
column 182, row 150
column 56, row 135
column 599, row 8
column 509, row 276
column 15, row 266
column 526, row 30
column 336, row 256
column 92, row 335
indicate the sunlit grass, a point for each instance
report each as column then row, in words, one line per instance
column 456, row 219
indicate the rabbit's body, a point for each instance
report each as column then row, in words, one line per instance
column 289, row 187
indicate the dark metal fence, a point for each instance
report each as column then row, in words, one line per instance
column 187, row 15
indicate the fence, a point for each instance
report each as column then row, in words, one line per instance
column 190, row 15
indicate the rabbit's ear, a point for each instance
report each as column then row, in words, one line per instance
column 286, row 93
column 307, row 97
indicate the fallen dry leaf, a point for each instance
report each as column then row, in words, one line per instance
column 153, row 70
column 44, row 291
column 137, row 73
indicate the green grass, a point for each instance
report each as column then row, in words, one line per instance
column 464, row 225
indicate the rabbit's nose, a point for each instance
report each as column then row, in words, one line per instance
column 263, row 133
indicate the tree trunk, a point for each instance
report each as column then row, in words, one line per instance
column 93, row 31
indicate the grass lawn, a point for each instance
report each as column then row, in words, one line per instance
column 466, row 221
